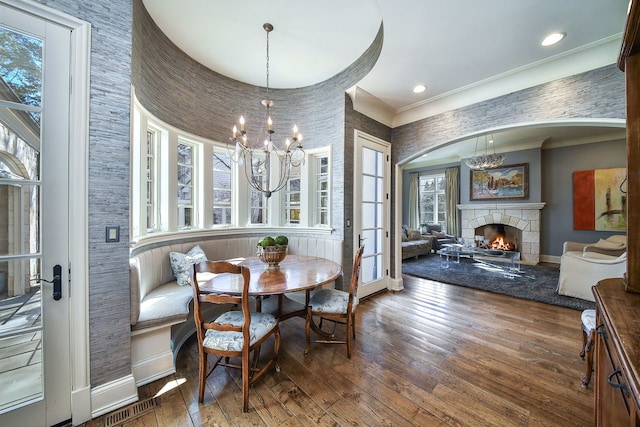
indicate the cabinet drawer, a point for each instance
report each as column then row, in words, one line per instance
column 612, row 405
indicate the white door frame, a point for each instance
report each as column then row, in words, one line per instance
column 384, row 281
column 80, row 42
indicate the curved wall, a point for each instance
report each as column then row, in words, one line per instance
column 191, row 97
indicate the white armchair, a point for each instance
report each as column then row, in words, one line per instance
column 583, row 268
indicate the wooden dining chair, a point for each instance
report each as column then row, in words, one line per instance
column 336, row 306
column 234, row 334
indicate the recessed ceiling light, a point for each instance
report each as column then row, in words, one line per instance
column 419, row 89
column 553, row 38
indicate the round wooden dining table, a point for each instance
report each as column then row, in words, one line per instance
column 296, row 273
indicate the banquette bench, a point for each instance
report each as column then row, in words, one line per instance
column 161, row 310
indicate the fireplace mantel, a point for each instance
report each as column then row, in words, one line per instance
column 524, row 216
column 537, row 206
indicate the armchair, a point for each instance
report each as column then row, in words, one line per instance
column 580, row 269
column 614, row 245
column 438, row 238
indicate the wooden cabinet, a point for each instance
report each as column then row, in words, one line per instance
column 617, row 355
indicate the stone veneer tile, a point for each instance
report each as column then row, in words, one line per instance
column 531, row 236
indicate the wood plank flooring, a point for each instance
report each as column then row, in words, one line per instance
column 431, row 355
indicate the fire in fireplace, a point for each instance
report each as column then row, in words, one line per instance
column 498, row 236
column 500, row 243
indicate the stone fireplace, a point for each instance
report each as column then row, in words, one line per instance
column 523, row 216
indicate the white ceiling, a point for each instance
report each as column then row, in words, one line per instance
column 464, row 51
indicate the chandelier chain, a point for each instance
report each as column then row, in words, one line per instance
column 268, row 28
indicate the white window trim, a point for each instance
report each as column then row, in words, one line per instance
column 309, row 198
column 435, row 176
column 166, row 182
column 196, row 178
column 207, row 197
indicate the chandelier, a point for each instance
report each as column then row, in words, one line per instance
column 486, row 160
column 256, row 158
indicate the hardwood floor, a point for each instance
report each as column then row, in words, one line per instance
column 431, row 355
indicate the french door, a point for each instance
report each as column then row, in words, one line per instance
column 35, row 374
column 372, row 210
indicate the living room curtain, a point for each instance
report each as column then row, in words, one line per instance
column 414, row 205
column 452, row 196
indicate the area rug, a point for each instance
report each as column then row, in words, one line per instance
column 535, row 283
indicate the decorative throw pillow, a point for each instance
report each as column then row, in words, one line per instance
column 414, row 234
column 607, row 244
column 182, row 264
column 438, row 235
column 404, row 237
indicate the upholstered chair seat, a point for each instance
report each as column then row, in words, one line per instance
column 331, row 301
column 261, row 325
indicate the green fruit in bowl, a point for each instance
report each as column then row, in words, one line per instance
column 267, row 241
column 282, row 241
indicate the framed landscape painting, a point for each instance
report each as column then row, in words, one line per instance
column 503, row 183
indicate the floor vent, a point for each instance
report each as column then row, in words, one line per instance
column 130, row 412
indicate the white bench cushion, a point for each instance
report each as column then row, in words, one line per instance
column 168, row 303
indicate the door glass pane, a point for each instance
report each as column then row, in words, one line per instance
column 372, row 241
column 371, row 268
column 369, row 215
column 372, row 188
column 371, row 161
column 20, row 303
column 372, row 221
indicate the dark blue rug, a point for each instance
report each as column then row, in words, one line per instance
column 532, row 282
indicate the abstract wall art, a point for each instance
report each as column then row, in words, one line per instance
column 600, row 199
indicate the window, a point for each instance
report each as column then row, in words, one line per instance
column 433, row 200
column 258, row 202
column 151, row 211
column 292, row 199
column 182, row 182
column 322, row 190
column 222, row 178
column 185, row 186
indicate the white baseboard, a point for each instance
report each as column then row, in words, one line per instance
column 153, row 368
column 114, row 395
column 395, row 284
column 554, row 259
